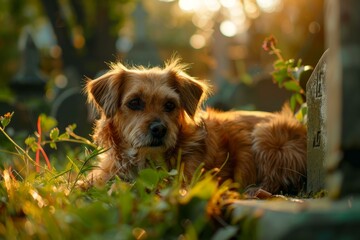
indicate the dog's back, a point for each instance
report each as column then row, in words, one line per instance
column 260, row 148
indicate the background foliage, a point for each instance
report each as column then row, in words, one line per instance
column 40, row 169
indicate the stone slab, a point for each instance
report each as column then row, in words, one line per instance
column 317, row 141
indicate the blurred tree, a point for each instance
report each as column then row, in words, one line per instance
column 13, row 16
column 88, row 33
column 85, row 33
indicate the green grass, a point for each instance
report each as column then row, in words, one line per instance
column 39, row 198
column 47, row 208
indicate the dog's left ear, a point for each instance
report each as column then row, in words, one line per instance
column 192, row 92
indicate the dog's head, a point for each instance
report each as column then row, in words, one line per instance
column 147, row 105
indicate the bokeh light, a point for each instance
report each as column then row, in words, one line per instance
column 269, row 5
column 197, row 41
column 251, row 9
column 234, row 16
column 212, row 5
column 228, row 28
column 202, row 21
column 229, row 3
column 188, row 5
column 61, row 81
column 314, row 27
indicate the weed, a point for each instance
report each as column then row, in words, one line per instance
column 287, row 74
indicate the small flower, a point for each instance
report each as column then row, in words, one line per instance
column 5, row 120
column 269, row 43
column 8, row 115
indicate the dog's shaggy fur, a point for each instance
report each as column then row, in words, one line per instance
column 153, row 114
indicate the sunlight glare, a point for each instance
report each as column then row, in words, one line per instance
column 251, row 9
column 182, row 192
column 188, row 5
column 6, row 177
column 202, row 21
column 212, row 5
column 243, row 27
column 37, row 197
column 229, row 3
column 237, row 15
column 269, row 5
column 139, row 233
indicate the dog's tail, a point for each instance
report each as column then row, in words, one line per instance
column 279, row 147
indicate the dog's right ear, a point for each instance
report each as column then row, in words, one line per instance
column 104, row 92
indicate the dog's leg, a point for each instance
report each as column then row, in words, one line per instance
column 245, row 169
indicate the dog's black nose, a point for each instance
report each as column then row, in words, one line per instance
column 157, row 129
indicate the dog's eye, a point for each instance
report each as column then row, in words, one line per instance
column 169, row 106
column 136, row 104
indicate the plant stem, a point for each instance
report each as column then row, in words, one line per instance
column 22, row 150
column 88, row 143
column 16, row 145
column 277, row 52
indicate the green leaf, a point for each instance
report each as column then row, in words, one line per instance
column 31, row 143
column 280, row 76
column 290, row 63
column 299, row 62
column 54, row 134
column 64, row 136
column 203, row 189
column 301, row 114
column 30, row 140
column 148, row 178
column 47, row 123
column 278, row 64
column 74, row 165
column 126, row 200
column 293, row 102
column 304, row 110
column 53, row 145
column 292, row 86
column 299, row 98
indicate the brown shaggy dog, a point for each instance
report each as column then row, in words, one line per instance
column 154, row 115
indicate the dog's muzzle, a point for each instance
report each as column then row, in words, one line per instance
column 157, row 131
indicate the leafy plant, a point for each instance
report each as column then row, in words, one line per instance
column 44, row 203
column 287, row 74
